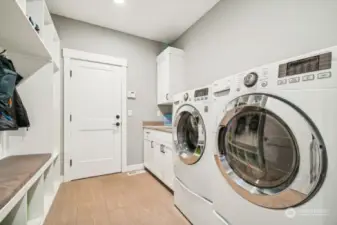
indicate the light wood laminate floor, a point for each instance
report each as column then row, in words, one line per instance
column 114, row 200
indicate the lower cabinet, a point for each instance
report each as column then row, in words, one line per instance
column 148, row 156
column 158, row 158
column 168, row 171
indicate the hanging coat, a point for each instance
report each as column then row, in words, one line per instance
column 14, row 114
column 21, row 114
column 7, row 82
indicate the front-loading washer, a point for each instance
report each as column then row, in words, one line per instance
column 193, row 164
column 276, row 143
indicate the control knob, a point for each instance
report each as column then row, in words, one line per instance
column 250, row 79
column 186, row 96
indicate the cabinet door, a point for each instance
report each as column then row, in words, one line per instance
column 177, row 82
column 163, row 86
column 147, row 153
column 168, row 165
column 157, row 161
column 149, row 149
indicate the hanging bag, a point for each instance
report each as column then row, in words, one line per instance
column 7, row 84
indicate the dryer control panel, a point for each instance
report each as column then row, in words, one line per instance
column 201, row 94
column 315, row 70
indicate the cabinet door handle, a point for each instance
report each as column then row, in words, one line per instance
column 151, row 144
column 162, row 149
column 167, row 96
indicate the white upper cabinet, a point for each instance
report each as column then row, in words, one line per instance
column 170, row 74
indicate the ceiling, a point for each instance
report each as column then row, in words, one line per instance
column 159, row 20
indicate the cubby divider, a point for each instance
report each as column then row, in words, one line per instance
column 18, row 215
column 35, row 200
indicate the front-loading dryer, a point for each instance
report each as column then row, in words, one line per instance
column 193, row 163
column 276, row 144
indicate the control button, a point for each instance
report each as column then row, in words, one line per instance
column 202, row 98
column 294, row 80
column 308, row 77
column 186, row 96
column 264, row 84
column 250, row 79
column 281, row 82
column 206, row 98
column 324, row 75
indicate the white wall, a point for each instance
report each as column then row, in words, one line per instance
column 237, row 35
column 141, row 55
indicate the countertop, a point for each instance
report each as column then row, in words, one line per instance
column 159, row 128
column 15, row 172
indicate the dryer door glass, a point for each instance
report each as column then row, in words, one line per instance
column 268, row 147
column 189, row 135
column 260, row 148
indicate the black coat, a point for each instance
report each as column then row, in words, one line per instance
column 15, row 114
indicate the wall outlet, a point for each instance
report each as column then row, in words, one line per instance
column 159, row 113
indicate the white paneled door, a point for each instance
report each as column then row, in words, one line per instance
column 95, row 93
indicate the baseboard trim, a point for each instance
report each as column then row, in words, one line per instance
column 134, row 167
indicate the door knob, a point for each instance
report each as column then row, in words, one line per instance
column 117, row 124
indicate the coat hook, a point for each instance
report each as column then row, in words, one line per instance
column 3, row 51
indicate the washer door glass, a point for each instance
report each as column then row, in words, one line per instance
column 261, row 155
column 189, row 135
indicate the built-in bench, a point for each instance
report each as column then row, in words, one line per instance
column 16, row 171
column 28, row 185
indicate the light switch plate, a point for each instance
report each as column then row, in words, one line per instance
column 130, row 112
column 131, row 95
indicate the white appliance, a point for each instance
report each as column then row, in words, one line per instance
column 194, row 159
column 276, row 144
column 223, row 94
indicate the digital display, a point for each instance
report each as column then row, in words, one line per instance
column 306, row 65
column 201, row 93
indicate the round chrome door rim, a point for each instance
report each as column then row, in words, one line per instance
column 186, row 156
column 305, row 183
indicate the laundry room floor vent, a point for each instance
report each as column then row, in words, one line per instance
column 136, row 172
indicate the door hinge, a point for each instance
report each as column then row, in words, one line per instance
column 71, row 73
column 71, row 118
column 71, row 163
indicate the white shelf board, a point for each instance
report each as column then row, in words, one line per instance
column 26, row 65
column 19, row 38
column 48, row 201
